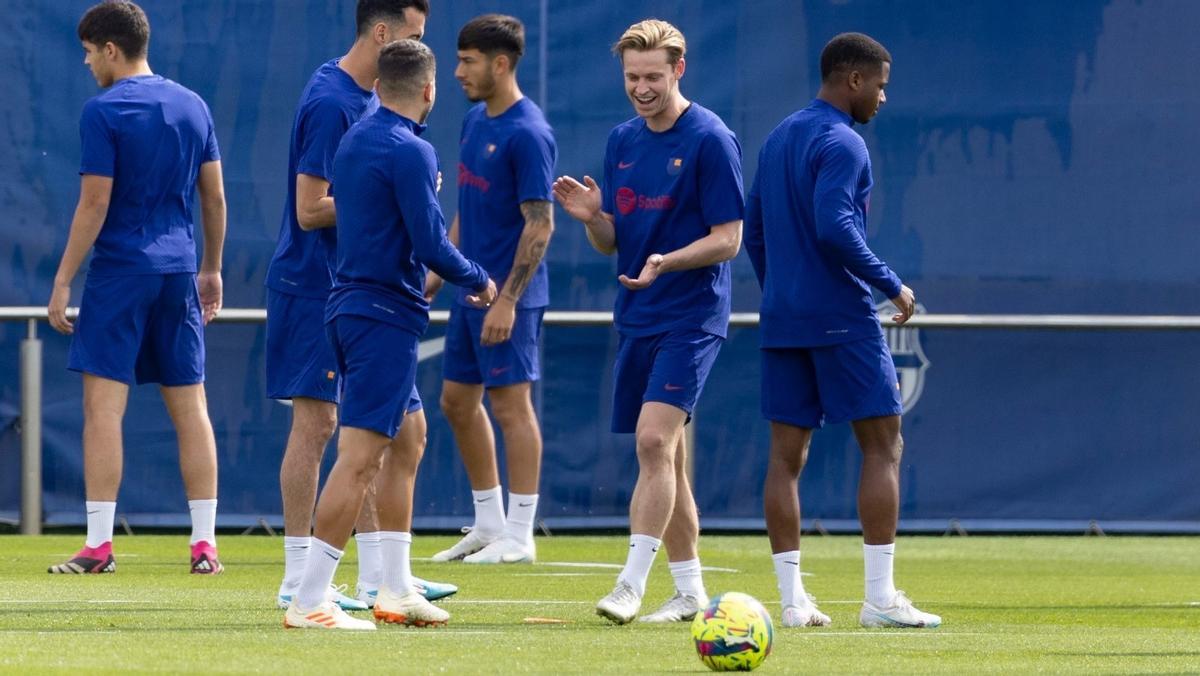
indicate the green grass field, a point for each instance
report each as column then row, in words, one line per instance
column 1009, row 604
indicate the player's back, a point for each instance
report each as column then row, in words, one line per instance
column 150, row 135
column 812, row 161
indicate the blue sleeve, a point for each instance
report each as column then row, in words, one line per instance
column 414, row 183
column 607, row 189
column 752, row 231
column 720, row 174
column 98, row 143
column 211, row 152
column 840, row 166
column 534, row 154
column 321, row 130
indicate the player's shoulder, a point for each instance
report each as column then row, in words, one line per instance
column 708, row 129
column 410, row 150
column 531, row 125
column 330, row 90
column 626, row 130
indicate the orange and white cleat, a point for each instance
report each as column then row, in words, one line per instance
column 325, row 616
column 410, row 608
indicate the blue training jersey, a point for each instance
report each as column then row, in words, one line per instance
column 806, row 233
column 390, row 225
column 150, row 135
column 331, row 102
column 503, row 161
column 666, row 190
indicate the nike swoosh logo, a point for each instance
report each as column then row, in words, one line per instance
column 624, row 165
column 499, row 370
column 95, row 512
column 672, row 388
column 654, row 549
column 793, row 563
column 335, row 558
column 478, row 500
column 524, row 504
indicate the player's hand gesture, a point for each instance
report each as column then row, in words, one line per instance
column 580, row 200
column 57, row 309
column 438, row 188
column 433, row 284
column 649, row 273
column 498, row 323
column 484, row 298
column 211, row 294
column 906, row 303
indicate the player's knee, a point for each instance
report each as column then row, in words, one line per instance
column 888, row 450
column 656, row 450
column 318, row 425
column 457, row 410
column 511, row 412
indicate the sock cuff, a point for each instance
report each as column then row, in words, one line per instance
column 793, row 555
column 889, row 548
column 490, row 492
column 99, row 504
column 522, row 496
column 394, row 536
column 639, row 539
column 201, row 503
column 290, row 542
column 684, row 566
column 318, row 543
column 367, row 537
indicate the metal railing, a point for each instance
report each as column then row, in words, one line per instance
column 31, row 361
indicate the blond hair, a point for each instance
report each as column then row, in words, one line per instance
column 652, row 34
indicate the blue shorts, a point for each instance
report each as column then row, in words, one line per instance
column 516, row 360
column 669, row 368
column 300, row 361
column 378, row 363
column 140, row 329
column 808, row 387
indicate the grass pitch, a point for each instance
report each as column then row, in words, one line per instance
column 1009, row 604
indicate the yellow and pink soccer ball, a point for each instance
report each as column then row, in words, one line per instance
column 733, row 633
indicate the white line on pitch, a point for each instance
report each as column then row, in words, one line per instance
column 517, row 602
column 610, row 566
column 44, row 601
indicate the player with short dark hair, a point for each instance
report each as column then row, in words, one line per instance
column 148, row 145
column 390, row 227
column 671, row 209
column 505, row 219
column 300, row 362
column 824, row 357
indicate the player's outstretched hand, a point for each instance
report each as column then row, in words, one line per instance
column 485, row 298
column 433, row 284
column 57, row 309
column 498, row 323
column 211, row 294
column 580, row 200
column 906, row 303
column 647, row 276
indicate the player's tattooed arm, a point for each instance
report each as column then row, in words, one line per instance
column 539, row 225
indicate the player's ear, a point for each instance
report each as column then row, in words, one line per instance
column 428, row 93
column 680, row 67
column 111, row 51
column 855, row 80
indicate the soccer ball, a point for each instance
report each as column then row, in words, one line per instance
column 733, row 633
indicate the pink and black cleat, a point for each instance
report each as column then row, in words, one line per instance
column 204, row 559
column 88, row 560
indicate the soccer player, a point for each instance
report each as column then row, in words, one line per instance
column 300, row 362
column 147, row 144
column 390, row 227
column 671, row 209
column 824, row 357
column 505, row 219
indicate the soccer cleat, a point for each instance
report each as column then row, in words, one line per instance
column 679, row 608
column 900, row 614
column 805, row 615
column 472, row 541
column 432, row 591
column 204, row 559
column 621, row 605
column 410, row 608
column 87, row 560
column 505, row 550
column 334, row 595
column 325, row 616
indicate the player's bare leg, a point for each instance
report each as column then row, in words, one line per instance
column 104, row 403
column 682, row 538
column 512, row 407
column 398, row 600
column 462, row 404
column 781, row 506
column 188, row 407
column 879, row 509
column 658, row 430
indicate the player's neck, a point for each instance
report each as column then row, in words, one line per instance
column 411, row 110
column 506, row 96
column 834, row 99
column 663, row 121
column 128, row 69
column 361, row 63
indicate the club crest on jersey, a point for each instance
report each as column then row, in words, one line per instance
column 626, row 200
column 489, row 150
column 907, row 354
column 674, row 166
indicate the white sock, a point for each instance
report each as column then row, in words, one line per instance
column 370, row 560
column 489, row 512
column 877, row 566
column 295, row 554
column 521, row 511
column 318, row 575
column 687, row 578
column 787, row 575
column 397, row 567
column 99, row 522
column 204, row 521
column 642, row 550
